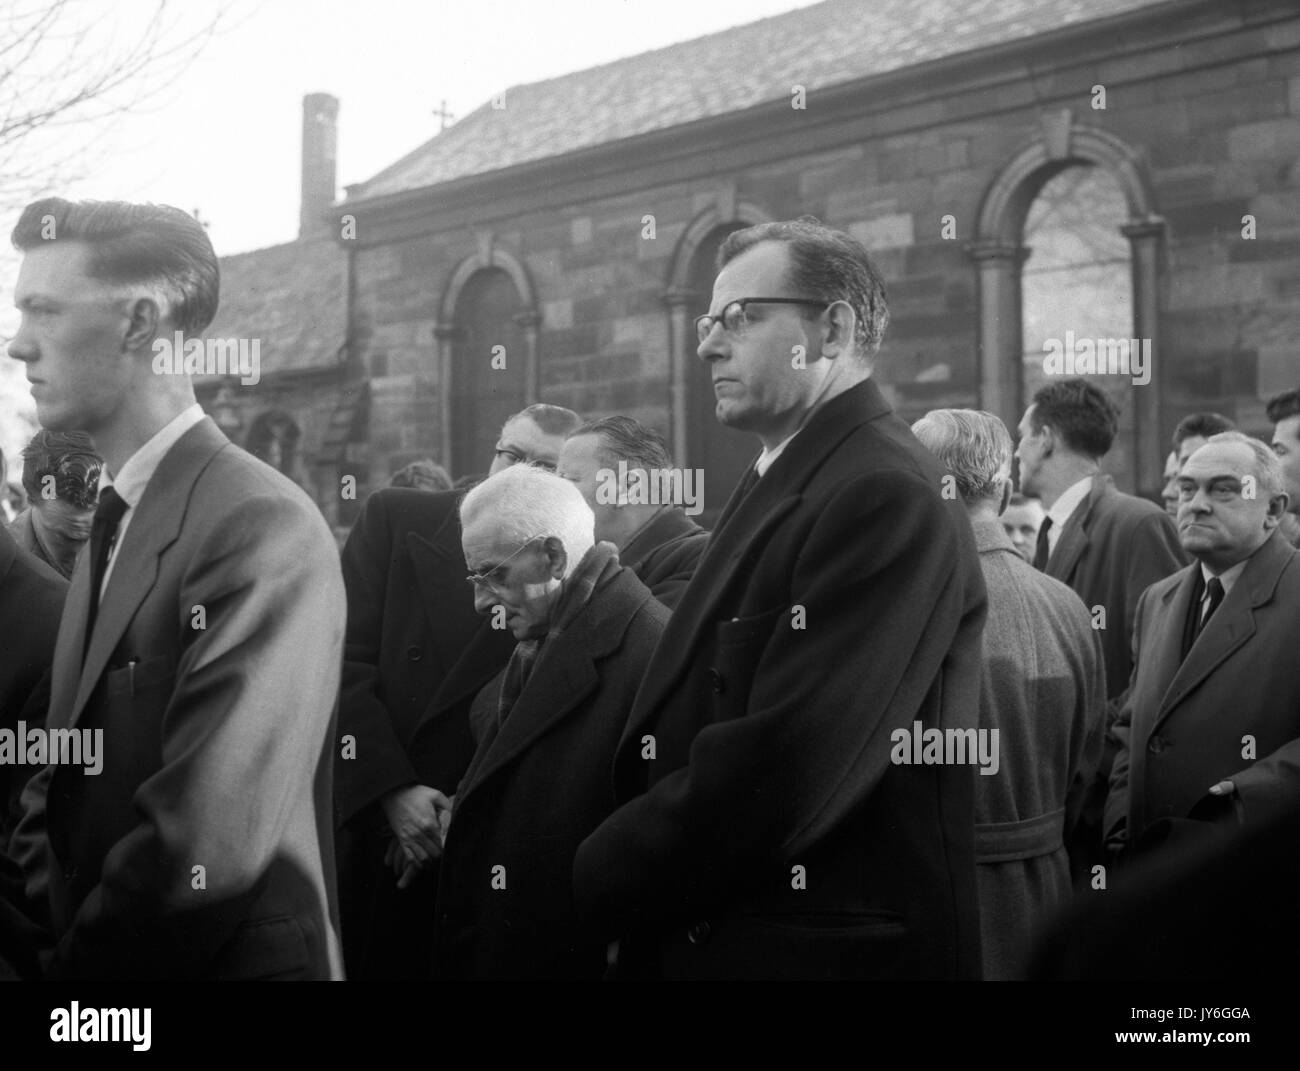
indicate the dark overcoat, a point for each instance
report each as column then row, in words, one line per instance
column 538, row 784
column 771, row 835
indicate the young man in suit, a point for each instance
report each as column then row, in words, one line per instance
column 1106, row 545
column 539, row 782
column 655, row 536
column 416, row 654
column 1210, row 728
column 766, row 830
column 201, row 639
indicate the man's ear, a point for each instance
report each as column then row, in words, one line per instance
column 838, row 327
column 1277, row 507
column 557, row 558
column 144, row 320
column 1006, row 495
column 1048, row 435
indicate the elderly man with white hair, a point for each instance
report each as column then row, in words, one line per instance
column 1043, row 690
column 547, row 727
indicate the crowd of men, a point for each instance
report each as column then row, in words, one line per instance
column 893, row 717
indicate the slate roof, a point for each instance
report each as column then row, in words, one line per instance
column 824, row 45
column 293, row 297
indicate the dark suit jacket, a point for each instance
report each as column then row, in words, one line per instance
column 1181, row 729
column 838, row 601
column 31, row 600
column 1113, row 547
column 537, row 786
column 215, row 739
column 665, row 553
column 416, row 655
column 23, row 529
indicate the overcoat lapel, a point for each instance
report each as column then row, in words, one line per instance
column 1232, row 624
column 743, row 530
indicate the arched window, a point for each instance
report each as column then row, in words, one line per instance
column 488, row 371
column 273, row 438
column 1043, row 263
column 1077, row 290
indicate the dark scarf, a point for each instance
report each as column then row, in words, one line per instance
column 598, row 565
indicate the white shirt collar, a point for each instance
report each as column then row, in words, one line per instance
column 140, row 466
column 1227, row 578
column 1069, row 501
column 766, row 458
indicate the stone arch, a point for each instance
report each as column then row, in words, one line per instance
column 999, row 255
column 447, row 332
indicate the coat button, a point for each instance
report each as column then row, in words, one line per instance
column 413, row 653
column 699, row 932
column 716, row 681
column 1156, row 745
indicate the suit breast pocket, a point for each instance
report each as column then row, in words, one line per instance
column 738, row 649
column 139, row 676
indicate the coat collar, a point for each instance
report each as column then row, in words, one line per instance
column 669, row 524
column 564, row 677
column 1075, row 535
column 1231, row 626
column 990, row 536
column 746, row 524
column 154, row 527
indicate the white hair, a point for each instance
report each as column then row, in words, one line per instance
column 525, row 502
column 1268, row 466
column 974, row 446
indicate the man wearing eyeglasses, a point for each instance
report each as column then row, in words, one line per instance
column 770, row 827
column 415, row 654
column 547, row 727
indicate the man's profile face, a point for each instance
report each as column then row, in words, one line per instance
column 1286, row 444
column 71, row 522
column 1021, row 524
column 1029, row 452
column 523, row 442
column 581, row 464
column 1221, row 519
column 1169, row 493
column 756, row 384
column 522, row 580
column 70, row 338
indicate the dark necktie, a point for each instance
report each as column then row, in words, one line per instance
column 102, row 533
column 1041, row 553
column 1215, row 590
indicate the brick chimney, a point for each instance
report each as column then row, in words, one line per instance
column 320, row 113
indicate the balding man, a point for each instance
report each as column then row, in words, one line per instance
column 415, row 655
column 626, row 474
column 1043, row 690
column 1210, row 728
column 539, row 782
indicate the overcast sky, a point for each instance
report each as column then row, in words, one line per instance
column 225, row 136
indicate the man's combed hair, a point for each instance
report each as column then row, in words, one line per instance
column 624, row 439
column 1080, row 412
column 68, row 456
column 1201, row 425
column 972, row 445
column 825, row 265
column 156, row 247
column 1281, row 406
column 526, row 502
column 552, row 419
column 1268, row 466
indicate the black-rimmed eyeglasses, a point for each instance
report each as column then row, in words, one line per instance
column 733, row 314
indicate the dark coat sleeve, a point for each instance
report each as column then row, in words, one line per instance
column 763, row 787
column 380, row 763
column 669, row 569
